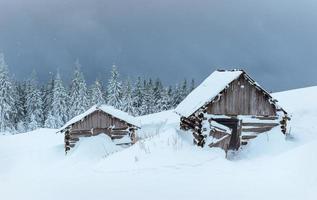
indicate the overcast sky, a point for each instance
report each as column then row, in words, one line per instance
column 274, row 40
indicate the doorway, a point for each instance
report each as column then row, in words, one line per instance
column 234, row 124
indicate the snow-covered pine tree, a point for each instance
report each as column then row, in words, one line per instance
column 145, row 98
column 148, row 97
column 21, row 127
column 48, row 97
column 57, row 116
column 34, row 105
column 96, row 94
column 183, row 90
column 114, row 93
column 78, row 101
column 6, row 97
column 50, row 121
column 127, row 99
column 33, row 124
column 151, row 87
column 170, row 95
column 165, row 100
column 59, row 101
column 20, row 104
column 16, row 108
column 157, row 95
column 105, row 92
column 192, row 85
column 177, row 96
column 137, row 94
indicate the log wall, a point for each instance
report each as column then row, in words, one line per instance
column 244, row 98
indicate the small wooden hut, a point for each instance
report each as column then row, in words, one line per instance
column 118, row 125
column 228, row 109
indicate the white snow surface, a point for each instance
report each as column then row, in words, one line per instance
column 298, row 100
column 107, row 109
column 206, row 91
column 164, row 164
column 153, row 124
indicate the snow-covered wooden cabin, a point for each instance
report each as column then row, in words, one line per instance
column 118, row 125
column 229, row 108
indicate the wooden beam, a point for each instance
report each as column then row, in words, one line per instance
column 114, row 137
column 248, row 137
column 265, row 117
column 257, row 129
column 120, row 128
column 259, row 124
column 198, row 136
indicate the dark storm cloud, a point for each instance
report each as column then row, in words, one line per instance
column 173, row 39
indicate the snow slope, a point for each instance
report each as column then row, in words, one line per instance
column 302, row 106
column 164, row 164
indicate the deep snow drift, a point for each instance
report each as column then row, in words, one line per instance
column 164, row 164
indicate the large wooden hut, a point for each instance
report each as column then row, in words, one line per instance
column 228, row 109
column 118, row 125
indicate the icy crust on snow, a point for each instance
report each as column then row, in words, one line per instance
column 107, row 109
column 206, row 91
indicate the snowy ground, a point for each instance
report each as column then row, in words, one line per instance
column 165, row 164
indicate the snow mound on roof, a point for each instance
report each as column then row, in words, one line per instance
column 206, row 91
column 107, row 109
column 120, row 114
column 78, row 117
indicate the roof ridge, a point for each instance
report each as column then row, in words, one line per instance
column 229, row 70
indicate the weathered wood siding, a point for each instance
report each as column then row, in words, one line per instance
column 98, row 119
column 96, row 123
column 242, row 98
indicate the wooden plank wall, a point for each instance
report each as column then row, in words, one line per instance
column 242, row 98
column 98, row 119
column 96, row 123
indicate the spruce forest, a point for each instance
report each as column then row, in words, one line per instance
column 27, row 105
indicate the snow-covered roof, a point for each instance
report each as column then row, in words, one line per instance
column 206, row 91
column 211, row 87
column 107, row 109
